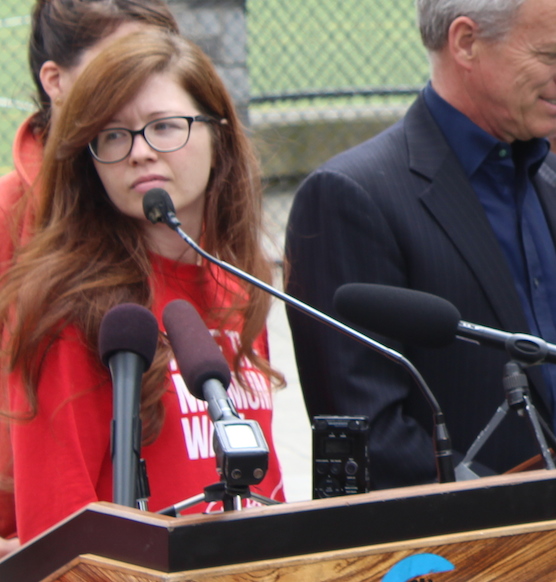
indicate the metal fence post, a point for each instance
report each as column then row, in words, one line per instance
column 219, row 27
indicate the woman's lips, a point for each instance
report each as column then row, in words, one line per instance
column 145, row 183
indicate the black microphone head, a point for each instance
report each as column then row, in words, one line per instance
column 198, row 356
column 406, row 315
column 128, row 327
column 157, row 205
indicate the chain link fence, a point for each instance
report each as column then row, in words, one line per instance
column 323, row 75
column 328, row 52
column 15, row 81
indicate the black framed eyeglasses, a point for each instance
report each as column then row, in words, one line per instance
column 166, row 134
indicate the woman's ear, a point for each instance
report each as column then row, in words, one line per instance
column 51, row 80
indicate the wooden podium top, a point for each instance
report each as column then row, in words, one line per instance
column 195, row 542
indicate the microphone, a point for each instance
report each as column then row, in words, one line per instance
column 128, row 336
column 201, row 363
column 419, row 318
column 158, row 207
column 239, row 444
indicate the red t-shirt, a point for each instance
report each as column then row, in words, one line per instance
column 62, row 457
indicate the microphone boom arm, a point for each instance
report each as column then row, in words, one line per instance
column 162, row 212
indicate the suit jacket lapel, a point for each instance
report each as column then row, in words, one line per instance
column 456, row 208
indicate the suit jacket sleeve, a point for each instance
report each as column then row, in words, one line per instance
column 337, row 234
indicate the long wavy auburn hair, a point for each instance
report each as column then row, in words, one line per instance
column 85, row 256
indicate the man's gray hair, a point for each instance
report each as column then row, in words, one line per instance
column 494, row 17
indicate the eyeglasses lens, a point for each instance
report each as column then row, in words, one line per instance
column 163, row 135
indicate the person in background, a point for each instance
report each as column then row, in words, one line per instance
column 65, row 35
column 164, row 120
column 458, row 200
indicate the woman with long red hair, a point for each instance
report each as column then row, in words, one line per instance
column 164, row 120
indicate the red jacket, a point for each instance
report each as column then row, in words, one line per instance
column 27, row 154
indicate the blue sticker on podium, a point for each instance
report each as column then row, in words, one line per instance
column 415, row 566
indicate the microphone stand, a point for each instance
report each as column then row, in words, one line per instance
column 516, row 388
column 239, row 467
column 230, row 496
column 441, row 439
column 126, row 431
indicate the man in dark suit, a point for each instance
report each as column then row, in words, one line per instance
column 458, row 199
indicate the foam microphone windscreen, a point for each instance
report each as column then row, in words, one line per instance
column 197, row 354
column 157, row 204
column 406, row 315
column 128, row 327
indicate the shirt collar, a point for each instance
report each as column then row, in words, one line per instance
column 472, row 145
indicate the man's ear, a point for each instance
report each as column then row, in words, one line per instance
column 462, row 40
column 51, row 80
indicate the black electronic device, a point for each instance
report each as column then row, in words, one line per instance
column 340, row 456
column 241, row 451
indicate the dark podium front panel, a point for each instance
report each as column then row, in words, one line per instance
column 163, row 548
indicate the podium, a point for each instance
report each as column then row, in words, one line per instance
column 495, row 528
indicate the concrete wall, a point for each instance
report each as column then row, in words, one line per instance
column 292, row 144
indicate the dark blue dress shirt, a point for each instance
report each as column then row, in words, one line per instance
column 501, row 175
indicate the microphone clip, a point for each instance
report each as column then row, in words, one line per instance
column 241, row 452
